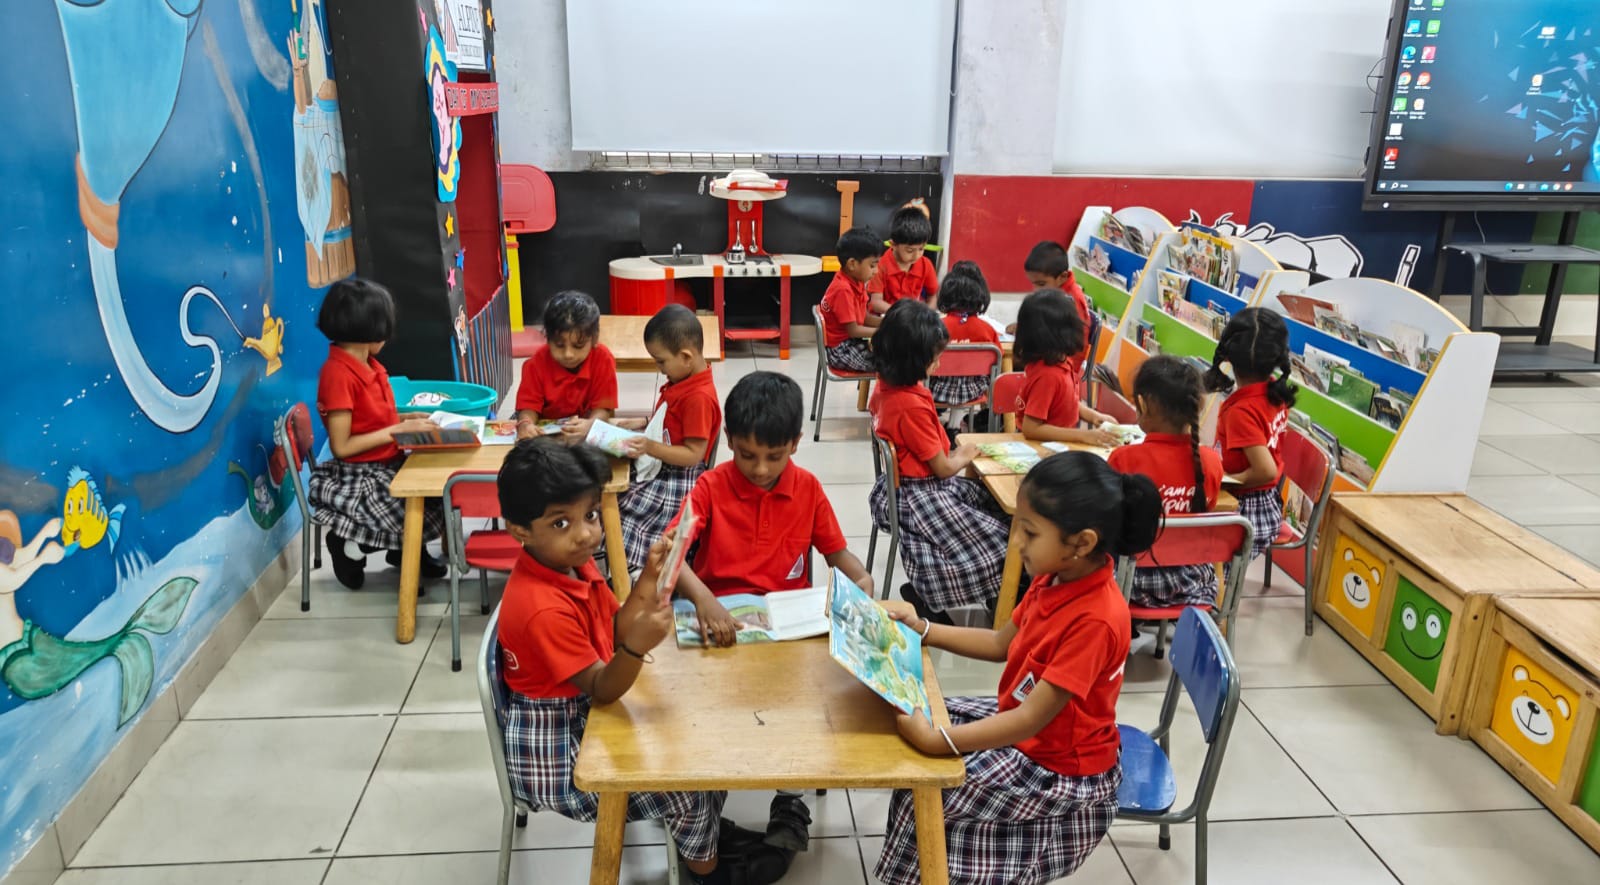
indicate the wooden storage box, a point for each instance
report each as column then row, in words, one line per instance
column 1533, row 704
column 1409, row 580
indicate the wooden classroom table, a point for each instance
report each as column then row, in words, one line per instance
column 1004, row 484
column 624, row 335
column 424, row 475
column 781, row 715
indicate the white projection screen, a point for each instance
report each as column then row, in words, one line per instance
column 858, row 77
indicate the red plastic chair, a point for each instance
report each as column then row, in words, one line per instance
column 1117, row 406
column 1198, row 539
column 966, row 358
column 528, row 199
column 1306, row 465
column 1003, row 395
column 827, row 374
column 474, row 495
column 293, row 436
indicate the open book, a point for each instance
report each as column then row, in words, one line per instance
column 490, row 432
column 775, row 617
column 883, row 653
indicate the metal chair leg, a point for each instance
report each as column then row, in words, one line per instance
column 522, row 819
column 1267, row 581
column 1200, row 849
column 1161, row 640
column 305, row 571
column 316, row 549
column 816, row 424
column 483, row 587
column 504, row 875
column 1309, row 555
column 816, row 392
column 455, row 619
column 872, row 545
column 888, row 571
column 1164, row 840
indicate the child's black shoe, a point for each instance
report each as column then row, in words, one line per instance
column 790, row 825
column 350, row 572
column 736, row 841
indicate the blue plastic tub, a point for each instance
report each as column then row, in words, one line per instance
column 458, row 397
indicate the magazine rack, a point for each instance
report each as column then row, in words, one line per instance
column 1432, row 451
column 1107, row 296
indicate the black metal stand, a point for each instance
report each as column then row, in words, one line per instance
column 1541, row 356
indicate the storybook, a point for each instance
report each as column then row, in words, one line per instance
column 489, row 432
column 775, row 617
column 610, row 438
column 883, row 653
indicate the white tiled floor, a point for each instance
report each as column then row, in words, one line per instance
column 325, row 753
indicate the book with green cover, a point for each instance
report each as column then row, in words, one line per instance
column 1348, row 386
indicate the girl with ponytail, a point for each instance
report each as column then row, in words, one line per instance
column 1169, row 395
column 1255, row 346
column 1042, row 757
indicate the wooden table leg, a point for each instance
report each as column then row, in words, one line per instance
column 405, row 626
column 929, row 805
column 863, row 389
column 605, row 867
column 1010, row 577
column 616, row 553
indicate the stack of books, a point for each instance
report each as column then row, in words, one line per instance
column 1405, row 344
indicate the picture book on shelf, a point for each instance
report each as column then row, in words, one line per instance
column 883, row 653
column 1114, row 230
column 1349, row 387
column 774, row 617
column 1304, row 309
column 1387, row 410
column 1355, row 466
column 1170, row 286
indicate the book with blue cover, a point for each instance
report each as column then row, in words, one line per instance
column 883, row 653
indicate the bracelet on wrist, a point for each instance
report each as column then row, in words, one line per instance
column 926, row 626
column 646, row 657
column 948, row 741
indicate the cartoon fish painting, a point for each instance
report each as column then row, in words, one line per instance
column 85, row 521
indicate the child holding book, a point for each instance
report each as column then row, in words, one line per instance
column 1049, row 332
column 1042, row 755
column 904, row 271
column 847, row 324
column 567, row 644
column 675, row 341
column 1170, row 394
column 571, row 375
column 349, row 494
column 963, row 300
column 760, row 516
column 952, row 535
column 1255, row 347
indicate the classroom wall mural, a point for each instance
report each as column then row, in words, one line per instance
column 180, row 204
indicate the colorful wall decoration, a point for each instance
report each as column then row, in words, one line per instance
column 159, row 317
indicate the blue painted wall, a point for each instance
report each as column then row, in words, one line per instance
column 142, row 376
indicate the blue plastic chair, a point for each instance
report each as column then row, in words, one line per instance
column 1203, row 665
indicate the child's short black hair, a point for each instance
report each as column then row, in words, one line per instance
column 676, row 328
column 1049, row 329
column 357, row 311
column 571, row 311
column 1047, row 257
column 1255, row 342
column 910, row 338
column 910, row 226
column 969, row 268
column 541, row 472
column 960, row 293
column 1079, row 490
column 767, row 406
column 1175, row 388
column 858, row 244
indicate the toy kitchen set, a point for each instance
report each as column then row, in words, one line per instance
column 644, row 285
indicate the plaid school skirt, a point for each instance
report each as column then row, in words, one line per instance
column 1167, row 586
column 952, row 538
column 851, row 355
column 1012, row 821
column 542, row 738
column 351, row 499
column 1264, row 509
column 955, row 390
column 648, row 507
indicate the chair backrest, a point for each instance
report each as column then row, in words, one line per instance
column 884, row 459
column 1113, row 403
column 527, row 198
column 1199, row 539
column 967, row 358
column 1091, row 340
column 1306, row 465
column 1004, row 392
column 297, row 435
column 493, row 697
column 467, row 493
column 822, row 338
column 1203, row 664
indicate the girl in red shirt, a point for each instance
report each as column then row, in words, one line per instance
column 1049, row 333
column 1169, row 394
column 566, row 644
column 1255, row 345
column 349, row 494
column 952, row 535
column 1042, row 756
column 963, row 299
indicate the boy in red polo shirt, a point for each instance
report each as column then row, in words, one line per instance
column 1042, row 755
column 675, row 341
column 566, row 644
column 762, row 515
column 1049, row 267
column 349, row 494
column 572, row 375
column 847, row 324
column 1255, row 343
column 904, row 271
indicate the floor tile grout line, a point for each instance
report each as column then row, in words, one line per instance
column 1374, row 852
column 1288, row 755
column 367, row 785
